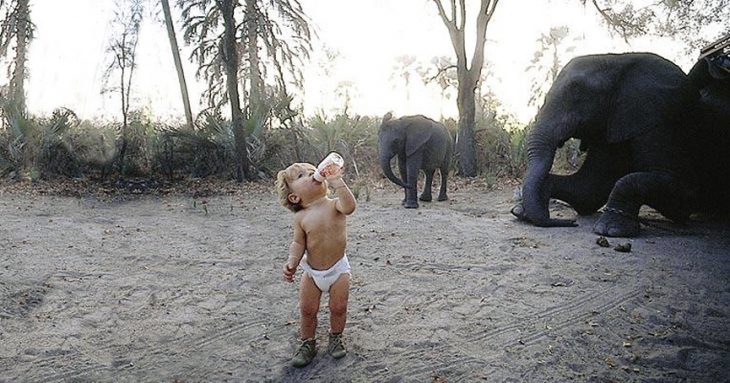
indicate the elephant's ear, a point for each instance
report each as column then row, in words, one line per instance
column 417, row 140
column 648, row 104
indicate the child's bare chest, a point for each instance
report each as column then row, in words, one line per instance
column 322, row 220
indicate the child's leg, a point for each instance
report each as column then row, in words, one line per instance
column 339, row 294
column 309, row 296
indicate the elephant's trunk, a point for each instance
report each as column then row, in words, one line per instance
column 536, row 187
column 388, row 171
column 534, row 204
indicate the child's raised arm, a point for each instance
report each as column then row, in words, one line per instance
column 296, row 251
column 345, row 203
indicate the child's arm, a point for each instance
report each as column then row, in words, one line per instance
column 345, row 202
column 296, row 251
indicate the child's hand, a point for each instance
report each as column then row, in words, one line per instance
column 337, row 174
column 335, row 181
column 289, row 273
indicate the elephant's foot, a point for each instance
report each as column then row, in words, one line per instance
column 615, row 223
column 518, row 211
column 411, row 205
column 425, row 197
column 442, row 197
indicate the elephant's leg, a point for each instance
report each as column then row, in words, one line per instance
column 588, row 189
column 413, row 165
column 426, row 195
column 444, row 170
column 660, row 190
column 403, row 175
column 656, row 183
